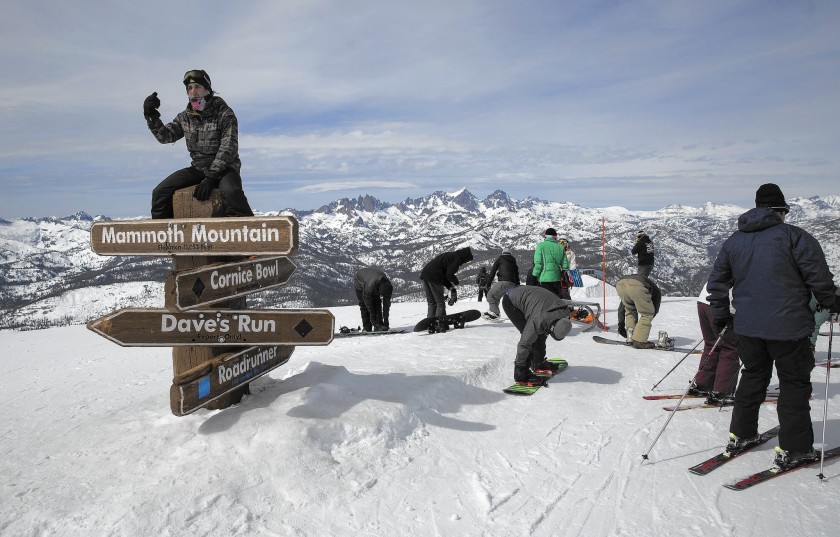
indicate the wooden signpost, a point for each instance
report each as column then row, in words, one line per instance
column 270, row 235
column 216, row 352
column 212, row 283
column 155, row 327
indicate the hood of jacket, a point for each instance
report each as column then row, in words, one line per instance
column 758, row 219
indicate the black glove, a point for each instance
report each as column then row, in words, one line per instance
column 205, row 188
column 453, row 296
column 150, row 107
column 622, row 331
column 836, row 307
column 723, row 322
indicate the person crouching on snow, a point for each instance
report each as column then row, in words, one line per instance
column 537, row 313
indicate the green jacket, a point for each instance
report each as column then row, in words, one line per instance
column 549, row 261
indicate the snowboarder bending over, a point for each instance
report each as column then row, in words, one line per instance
column 212, row 135
column 374, row 290
column 644, row 250
column 640, row 299
column 773, row 268
column 537, row 313
column 508, row 273
column 438, row 276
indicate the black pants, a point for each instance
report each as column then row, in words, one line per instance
column 377, row 314
column 794, row 362
column 435, row 299
column 230, row 186
column 517, row 317
column 554, row 287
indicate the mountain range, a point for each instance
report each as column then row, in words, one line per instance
column 49, row 276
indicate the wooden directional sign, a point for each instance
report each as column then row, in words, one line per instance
column 212, row 283
column 271, row 235
column 150, row 327
column 199, row 386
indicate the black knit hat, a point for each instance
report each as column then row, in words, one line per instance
column 550, row 232
column 197, row 76
column 770, row 195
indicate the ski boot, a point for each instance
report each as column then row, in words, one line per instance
column 790, row 459
column 737, row 445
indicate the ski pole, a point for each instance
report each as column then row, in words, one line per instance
column 676, row 408
column 831, row 320
column 676, row 366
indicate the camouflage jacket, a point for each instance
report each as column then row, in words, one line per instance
column 212, row 136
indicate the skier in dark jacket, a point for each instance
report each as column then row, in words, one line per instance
column 773, row 269
column 537, row 313
column 640, row 300
column 374, row 290
column 438, row 276
column 643, row 249
column 507, row 270
column 483, row 281
column 212, row 135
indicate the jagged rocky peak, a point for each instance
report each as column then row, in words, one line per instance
column 499, row 198
column 348, row 206
column 465, row 199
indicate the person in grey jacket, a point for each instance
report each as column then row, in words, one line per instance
column 537, row 313
column 212, row 135
column 374, row 290
column 773, row 269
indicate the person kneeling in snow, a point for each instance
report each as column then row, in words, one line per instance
column 640, row 299
column 374, row 290
column 537, row 313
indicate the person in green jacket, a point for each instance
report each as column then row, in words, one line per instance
column 550, row 263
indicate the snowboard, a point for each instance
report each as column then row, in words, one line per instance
column 454, row 320
column 600, row 339
column 523, row 389
column 351, row 332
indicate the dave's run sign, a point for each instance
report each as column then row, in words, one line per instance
column 141, row 327
column 212, row 283
column 272, row 235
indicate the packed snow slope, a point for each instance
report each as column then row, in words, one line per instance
column 404, row 434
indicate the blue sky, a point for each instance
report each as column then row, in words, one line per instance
column 633, row 103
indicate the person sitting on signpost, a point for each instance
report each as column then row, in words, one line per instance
column 212, row 135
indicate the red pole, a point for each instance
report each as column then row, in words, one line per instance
column 604, row 269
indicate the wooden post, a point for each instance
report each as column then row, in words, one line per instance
column 185, row 358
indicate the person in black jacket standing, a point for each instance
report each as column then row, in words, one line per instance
column 438, row 276
column 483, row 282
column 644, row 250
column 773, row 268
column 374, row 290
column 507, row 271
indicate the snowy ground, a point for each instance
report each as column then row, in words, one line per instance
column 389, row 435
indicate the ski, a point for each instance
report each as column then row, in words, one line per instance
column 659, row 397
column 770, row 473
column 531, row 388
column 671, row 408
column 599, row 339
column 722, row 458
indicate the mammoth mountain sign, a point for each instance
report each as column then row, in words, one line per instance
column 273, row 235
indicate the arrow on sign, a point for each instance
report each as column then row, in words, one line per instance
column 150, row 327
column 212, row 283
column 253, row 235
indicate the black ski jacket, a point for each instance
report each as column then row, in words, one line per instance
column 506, row 269
column 441, row 270
column 644, row 250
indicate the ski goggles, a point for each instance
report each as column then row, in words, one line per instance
column 197, row 75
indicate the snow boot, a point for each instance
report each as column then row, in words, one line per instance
column 720, row 399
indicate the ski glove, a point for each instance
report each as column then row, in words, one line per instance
column 622, row 331
column 723, row 322
column 205, row 188
column 453, row 296
column 150, row 107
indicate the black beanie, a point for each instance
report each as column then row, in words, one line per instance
column 770, row 195
column 550, row 232
column 198, row 76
